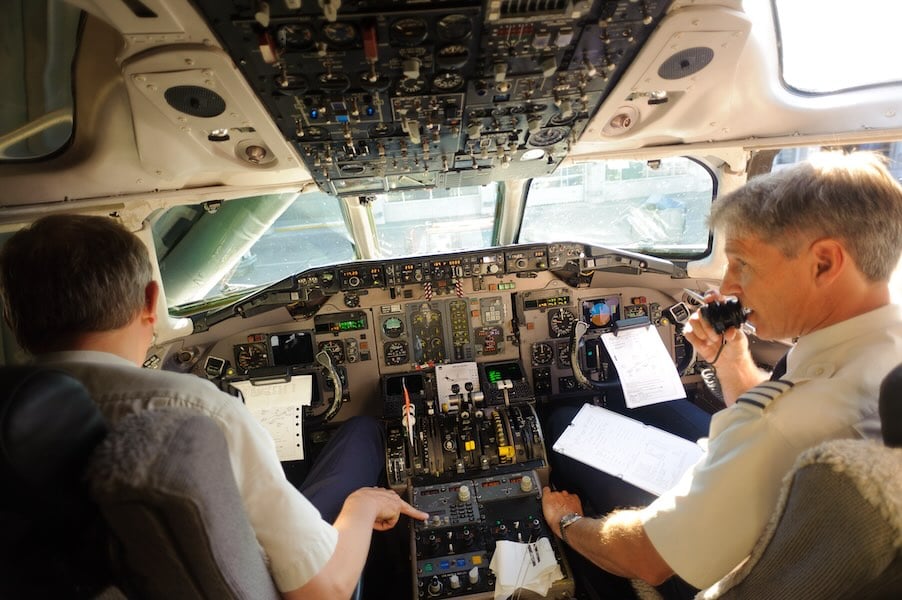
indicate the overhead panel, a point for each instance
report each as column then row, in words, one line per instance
column 386, row 95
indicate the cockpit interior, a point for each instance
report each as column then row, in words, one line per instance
column 440, row 205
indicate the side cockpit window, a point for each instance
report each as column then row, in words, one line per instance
column 38, row 48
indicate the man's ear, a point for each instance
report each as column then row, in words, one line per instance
column 829, row 259
column 151, row 296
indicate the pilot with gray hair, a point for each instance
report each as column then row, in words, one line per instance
column 810, row 251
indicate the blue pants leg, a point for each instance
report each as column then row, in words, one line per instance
column 353, row 458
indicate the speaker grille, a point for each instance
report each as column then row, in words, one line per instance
column 686, row 62
column 195, row 101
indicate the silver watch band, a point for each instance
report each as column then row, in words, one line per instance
column 565, row 522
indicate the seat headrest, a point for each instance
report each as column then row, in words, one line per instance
column 48, row 428
column 891, row 408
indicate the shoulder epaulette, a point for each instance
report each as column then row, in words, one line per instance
column 763, row 394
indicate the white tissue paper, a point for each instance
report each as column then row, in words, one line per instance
column 532, row 566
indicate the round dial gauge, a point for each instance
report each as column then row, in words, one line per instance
column 251, row 356
column 393, row 327
column 408, row 32
column 334, row 83
column 454, row 27
column 453, row 56
column 342, row 34
column 542, row 353
column 548, row 136
column 396, row 353
column 411, row 86
column 561, row 322
column 294, row 37
column 448, row 81
column 563, row 355
column 336, row 350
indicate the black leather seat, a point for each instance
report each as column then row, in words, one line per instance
column 148, row 509
column 52, row 539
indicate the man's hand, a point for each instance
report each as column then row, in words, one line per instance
column 386, row 505
column 557, row 504
column 707, row 342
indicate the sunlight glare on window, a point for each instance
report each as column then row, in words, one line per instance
column 829, row 45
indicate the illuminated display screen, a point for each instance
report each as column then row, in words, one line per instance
column 601, row 312
column 352, row 324
column 491, row 483
column 502, row 371
column 291, row 349
column 547, row 302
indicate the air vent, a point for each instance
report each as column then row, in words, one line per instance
column 195, row 101
column 685, row 63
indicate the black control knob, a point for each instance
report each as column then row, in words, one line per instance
column 468, row 536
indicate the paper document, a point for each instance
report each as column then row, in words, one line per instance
column 278, row 407
column 645, row 456
column 531, row 566
column 646, row 370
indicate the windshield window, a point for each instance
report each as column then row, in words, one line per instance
column 38, row 46
column 847, row 48
column 220, row 249
column 433, row 221
column 656, row 207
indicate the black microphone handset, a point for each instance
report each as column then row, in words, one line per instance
column 726, row 314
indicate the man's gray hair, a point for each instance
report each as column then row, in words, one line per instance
column 850, row 197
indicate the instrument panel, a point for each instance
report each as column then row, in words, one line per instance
column 457, row 354
column 382, row 95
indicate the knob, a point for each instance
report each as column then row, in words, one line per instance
column 454, row 580
column 436, row 520
column 463, row 493
column 411, row 68
column 526, row 484
column 566, row 109
column 435, row 586
column 534, row 124
column 500, row 71
column 468, row 536
column 473, row 575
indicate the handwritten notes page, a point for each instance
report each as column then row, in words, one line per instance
column 646, row 370
column 645, row 456
column 278, row 407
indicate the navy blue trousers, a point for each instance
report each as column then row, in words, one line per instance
column 601, row 493
column 353, row 458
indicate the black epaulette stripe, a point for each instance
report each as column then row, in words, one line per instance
column 753, row 402
column 766, row 392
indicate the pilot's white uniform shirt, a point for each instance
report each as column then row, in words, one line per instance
column 295, row 540
column 709, row 522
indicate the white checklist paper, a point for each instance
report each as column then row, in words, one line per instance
column 531, row 566
column 278, row 407
column 645, row 456
column 646, row 370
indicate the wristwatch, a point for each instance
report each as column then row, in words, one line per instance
column 565, row 522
